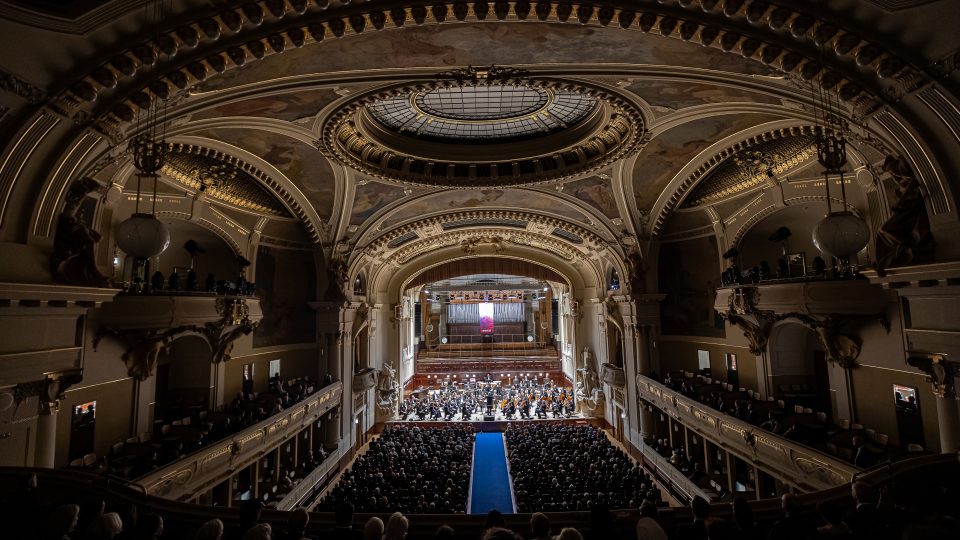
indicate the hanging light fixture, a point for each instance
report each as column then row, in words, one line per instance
column 142, row 234
column 839, row 234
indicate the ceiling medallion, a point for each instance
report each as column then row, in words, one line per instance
column 483, row 127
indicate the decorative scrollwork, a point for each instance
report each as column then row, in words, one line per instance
column 492, row 74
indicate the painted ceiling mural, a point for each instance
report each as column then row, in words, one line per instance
column 595, row 191
column 673, row 95
column 372, row 197
column 517, row 199
column 302, row 164
column 287, row 107
column 484, row 44
column 670, row 151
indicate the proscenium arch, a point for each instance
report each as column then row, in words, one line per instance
column 392, row 284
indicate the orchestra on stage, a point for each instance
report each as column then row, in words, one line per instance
column 526, row 398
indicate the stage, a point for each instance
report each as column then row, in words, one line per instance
column 499, row 424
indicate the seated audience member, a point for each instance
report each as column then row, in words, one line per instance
column 540, row 526
column 697, row 529
column 61, row 522
column 409, row 469
column 396, row 528
column 107, row 526
column 834, row 526
column 211, row 530
column 249, row 516
column 445, row 532
column 494, row 519
column 373, row 529
column 569, row 533
column 260, row 531
column 793, row 526
column 647, row 526
column 149, row 526
column 772, row 424
column 343, row 519
column 565, row 468
column 862, row 455
column 500, row 533
column 743, row 524
column 865, row 520
column 297, row 524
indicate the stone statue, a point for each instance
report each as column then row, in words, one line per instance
column 73, row 259
column 388, row 390
column 336, row 280
column 638, row 272
column 590, row 394
column 141, row 359
column 905, row 237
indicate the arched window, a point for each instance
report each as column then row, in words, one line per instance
column 613, row 282
column 359, row 285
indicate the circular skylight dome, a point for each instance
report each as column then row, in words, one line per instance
column 482, row 130
column 488, row 113
column 494, row 102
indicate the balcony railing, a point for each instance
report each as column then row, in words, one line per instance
column 205, row 468
column 778, row 456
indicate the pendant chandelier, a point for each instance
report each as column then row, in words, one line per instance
column 142, row 234
column 839, row 234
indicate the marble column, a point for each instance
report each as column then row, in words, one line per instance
column 948, row 417
column 644, row 366
column 46, row 447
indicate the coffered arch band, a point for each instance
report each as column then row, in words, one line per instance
column 391, row 285
column 232, row 37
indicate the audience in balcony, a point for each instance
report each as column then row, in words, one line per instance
column 174, row 441
column 794, row 525
column 410, row 469
column 800, row 425
column 563, row 467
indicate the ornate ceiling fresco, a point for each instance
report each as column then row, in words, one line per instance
column 618, row 109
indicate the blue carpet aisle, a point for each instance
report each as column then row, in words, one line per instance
column 490, row 482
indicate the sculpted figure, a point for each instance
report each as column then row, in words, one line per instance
column 73, row 259
column 905, row 238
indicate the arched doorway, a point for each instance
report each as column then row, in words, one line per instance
column 798, row 368
column 184, row 379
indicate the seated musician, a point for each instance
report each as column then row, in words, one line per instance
column 542, row 409
column 421, row 411
column 557, row 408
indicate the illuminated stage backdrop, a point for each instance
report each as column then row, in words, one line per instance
column 486, row 318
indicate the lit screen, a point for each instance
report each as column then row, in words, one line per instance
column 486, row 318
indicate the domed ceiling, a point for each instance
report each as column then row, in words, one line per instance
column 366, row 122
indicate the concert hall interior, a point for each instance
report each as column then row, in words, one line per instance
column 599, row 269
